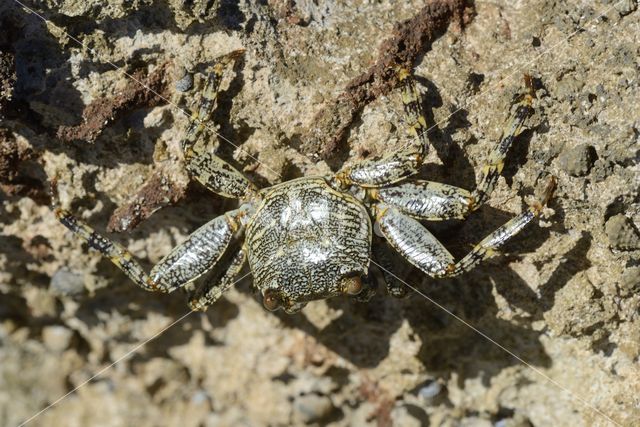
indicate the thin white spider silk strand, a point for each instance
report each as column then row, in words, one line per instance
column 476, row 98
column 168, row 101
column 571, row 394
column 121, row 358
column 581, row 400
column 106, row 368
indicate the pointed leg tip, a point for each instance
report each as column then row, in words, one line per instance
column 528, row 81
column 547, row 193
column 550, row 188
column 237, row 53
column 53, row 189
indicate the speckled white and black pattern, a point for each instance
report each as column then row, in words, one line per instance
column 214, row 289
column 415, row 243
column 385, row 171
column 196, row 255
column 305, row 237
column 399, row 165
column 217, row 175
column 427, row 200
column 204, row 166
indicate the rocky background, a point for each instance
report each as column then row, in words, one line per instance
column 308, row 95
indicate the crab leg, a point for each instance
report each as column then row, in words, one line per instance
column 434, row 201
column 414, row 242
column 203, row 165
column 427, row 200
column 394, row 167
column 387, row 259
column 185, row 263
column 423, row 250
column 399, row 165
column 491, row 171
column 213, row 290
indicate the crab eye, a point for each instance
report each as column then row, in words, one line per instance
column 270, row 300
column 352, row 285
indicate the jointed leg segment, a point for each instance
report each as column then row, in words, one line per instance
column 434, row 201
column 399, row 165
column 493, row 168
column 424, row 251
column 199, row 253
column 204, row 166
column 118, row 255
column 212, row 291
column 427, row 200
column 185, row 263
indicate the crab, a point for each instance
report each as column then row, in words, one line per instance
column 310, row 238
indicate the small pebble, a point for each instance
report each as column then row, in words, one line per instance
column 621, row 233
column 313, row 407
column 199, row 397
column 430, row 390
column 67, row 283
column 577, row 161
column 185, row 83
column 625, row 7
column 156, row 118
column 630, row 280
column 602, row 168
column 56, row 338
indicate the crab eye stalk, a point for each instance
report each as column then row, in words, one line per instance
column 351, row 285
column 270, row 300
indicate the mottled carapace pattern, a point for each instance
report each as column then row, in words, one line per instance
column 310, row 238
column 306, row 237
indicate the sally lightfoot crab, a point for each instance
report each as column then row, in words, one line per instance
column 310, row 238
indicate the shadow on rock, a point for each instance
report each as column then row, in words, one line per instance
column 45, row 99
column 362, row 333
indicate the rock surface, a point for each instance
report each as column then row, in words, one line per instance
column 622, row 233
column 564, row 297
column 578, row 160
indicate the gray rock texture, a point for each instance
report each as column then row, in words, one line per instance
column 563, row 296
